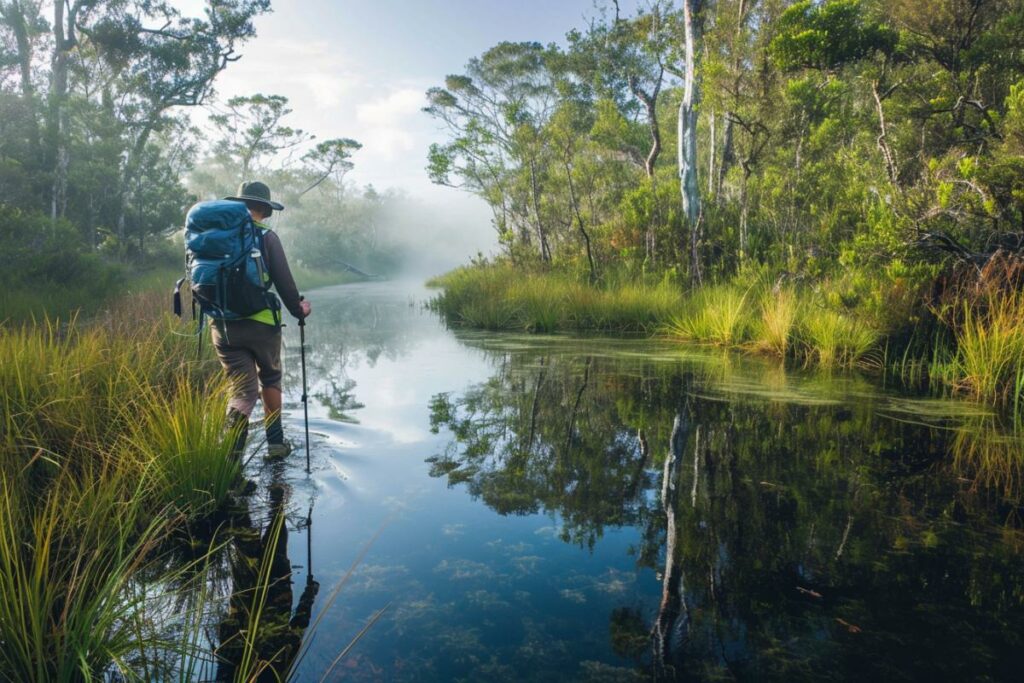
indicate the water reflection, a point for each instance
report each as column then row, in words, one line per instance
column 795, row 534
column 365, row 325
column 260, row 635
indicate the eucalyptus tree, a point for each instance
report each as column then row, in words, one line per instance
column 24, row 21
column 100, row 80
column 330, row 159
column 494, row 114
column 624, row 61
column 687, row 132
column 252, row 128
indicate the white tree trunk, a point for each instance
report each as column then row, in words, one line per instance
column 687, row 135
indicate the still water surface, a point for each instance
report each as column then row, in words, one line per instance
column 559, row 509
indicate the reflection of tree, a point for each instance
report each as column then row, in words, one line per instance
column 551, row 440
column 260, row 635
column 815, row 540
column 348, row 328
column 668, row 630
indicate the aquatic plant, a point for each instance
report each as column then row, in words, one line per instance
column 835, row 340
column 109, row 441
column 499, row 298
column 715, row 315
column 773, row 332
column 67, row 555
column 989, row 360
column 182, row 436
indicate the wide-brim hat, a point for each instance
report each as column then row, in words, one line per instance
column 255, row 191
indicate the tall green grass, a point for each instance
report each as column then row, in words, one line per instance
column 716, row 315
column 979, row 353
column 835, row 340
column 499, row 297
column 775, row 329
column 112, row 436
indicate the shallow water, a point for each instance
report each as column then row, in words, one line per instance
column 553, row 509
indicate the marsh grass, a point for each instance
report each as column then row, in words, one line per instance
column 715, row 315
column 67, row 556
column 978, row 353
column 112, row 436
column 834, row 340
column 775, row 329
column 989, row 360
column 499, row 297
column 181, row 435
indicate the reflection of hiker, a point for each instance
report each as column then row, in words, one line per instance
column 260, row 618
column 250, row 348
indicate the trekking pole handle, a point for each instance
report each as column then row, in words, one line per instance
column 302, row 320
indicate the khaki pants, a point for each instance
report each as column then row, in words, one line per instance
column 250, row 352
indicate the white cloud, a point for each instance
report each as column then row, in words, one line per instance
column 393, row 108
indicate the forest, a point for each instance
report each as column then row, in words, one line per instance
column 838, row 181
column 110, row 128
column 775, row 434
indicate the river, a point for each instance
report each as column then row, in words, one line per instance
column 548, row 508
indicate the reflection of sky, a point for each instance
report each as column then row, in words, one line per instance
column 475, row 595
column 459, row 574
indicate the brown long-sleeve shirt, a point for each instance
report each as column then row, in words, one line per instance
column 280, row 273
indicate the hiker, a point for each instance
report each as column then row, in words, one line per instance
column 250, row 348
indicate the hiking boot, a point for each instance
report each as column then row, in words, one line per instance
column 278, row 451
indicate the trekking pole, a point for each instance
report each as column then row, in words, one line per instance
column 305, row 393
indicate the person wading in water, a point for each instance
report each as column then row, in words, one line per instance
column 250, row 348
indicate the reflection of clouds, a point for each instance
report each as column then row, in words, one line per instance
column 591, row 670
column 464, row 569
column 486, row 599
column 526, row 564
column 502, row 546
column 571, row 595
column 370, row 578
column 453, row 530
column 615, row 581
column 521, row 547
column 548, row 532
column 612, row 582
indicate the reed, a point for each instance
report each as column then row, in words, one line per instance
column 181, row 436
column 111, row 438
column 498, row 297
column 777, row 325
column 989, row 361
column 716, row 315
column 835, row 340
column 67, row 556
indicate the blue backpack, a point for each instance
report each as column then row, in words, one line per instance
column 224, row 262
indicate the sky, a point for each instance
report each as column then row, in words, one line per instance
column 360, row 68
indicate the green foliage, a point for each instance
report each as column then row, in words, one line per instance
column 828, row 35
column 716, row 315
column 107, row 444
column 835, row 340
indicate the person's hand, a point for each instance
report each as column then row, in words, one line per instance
column 306, row 308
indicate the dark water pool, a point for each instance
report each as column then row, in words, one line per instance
column 556, row 509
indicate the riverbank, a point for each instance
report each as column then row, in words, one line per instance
column 119, row 499
column 970, row 344
column 106, row 286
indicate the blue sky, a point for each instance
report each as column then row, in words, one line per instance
column 359, row 68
